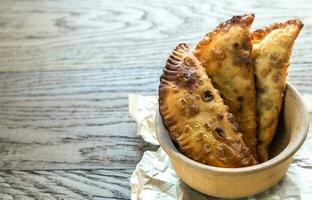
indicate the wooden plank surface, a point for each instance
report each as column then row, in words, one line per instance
column 66, row 68
column 72, row 184
column 68, row 119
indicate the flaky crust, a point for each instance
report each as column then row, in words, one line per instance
column 195, row 115
column 225, row 54
column 272, row 47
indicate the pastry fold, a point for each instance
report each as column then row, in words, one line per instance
column 195, row 114
column 225, row 53
column 272, row 47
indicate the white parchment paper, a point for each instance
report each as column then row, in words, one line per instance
column 155, row 179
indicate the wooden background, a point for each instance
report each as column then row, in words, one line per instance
column 66, row 69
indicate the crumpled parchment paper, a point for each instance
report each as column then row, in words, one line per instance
column 155, row 179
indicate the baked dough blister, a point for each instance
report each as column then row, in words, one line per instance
column 249, row 69
column 271, row 52
column 196, row 116
column 225, row 53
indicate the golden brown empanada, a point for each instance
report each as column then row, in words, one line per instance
column 271, row 51
column 225, row 54
column 195, row 115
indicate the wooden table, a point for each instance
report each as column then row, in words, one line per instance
column 66, row 69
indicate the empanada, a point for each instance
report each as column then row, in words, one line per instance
column 271, row 51
column 195, row 115
column 225, row 54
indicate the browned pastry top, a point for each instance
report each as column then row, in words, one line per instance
column 272, row 47
column 195, row 115
column 225, row 53
column 260, row 33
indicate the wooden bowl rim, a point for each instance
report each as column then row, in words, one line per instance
column 168, row 146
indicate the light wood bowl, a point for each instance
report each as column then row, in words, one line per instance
column 246, row 181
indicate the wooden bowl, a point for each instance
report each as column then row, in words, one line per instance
column 246, row 181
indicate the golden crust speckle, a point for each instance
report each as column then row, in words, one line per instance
column 259, row 34
column 272, row 46
column 194, row 116
column 226, row 55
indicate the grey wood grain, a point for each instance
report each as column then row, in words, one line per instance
column 72, row 184
column 66, row 68
column 59, row 35
column 69, row 119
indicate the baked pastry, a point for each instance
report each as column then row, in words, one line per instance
column 271, row 51
column 196, row 116
column 225, row 54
